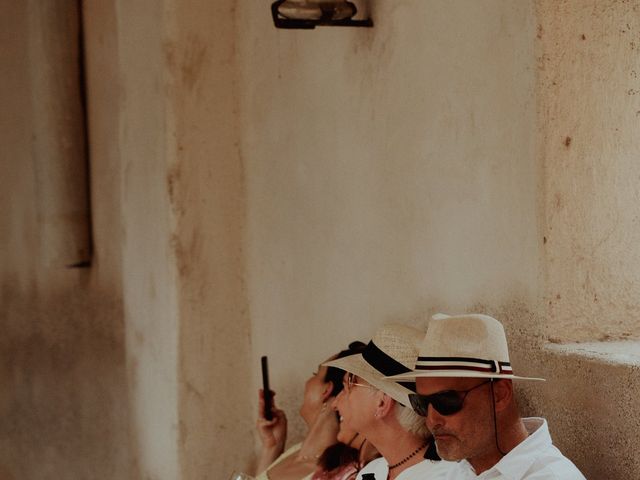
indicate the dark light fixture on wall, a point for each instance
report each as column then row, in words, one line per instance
column 308, row 14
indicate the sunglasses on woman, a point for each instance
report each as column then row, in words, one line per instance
column 445, row 403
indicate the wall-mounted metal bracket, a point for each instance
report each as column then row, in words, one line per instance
column 325, row 21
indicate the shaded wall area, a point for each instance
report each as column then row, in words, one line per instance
column 116, row 371
column 63, row 401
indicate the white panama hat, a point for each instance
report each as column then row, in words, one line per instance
column 392, row 350
column 472, row 345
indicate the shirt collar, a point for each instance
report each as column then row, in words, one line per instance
column 517, row 462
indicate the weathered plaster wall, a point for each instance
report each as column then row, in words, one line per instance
column 590, row 402
column 183, row 214
column 588, row 98
column 588, row 109
column 460, row 156
column 58, row 133
column 62, row 361
column 117, row 371
column 391, row 173
column 206, row 187
column 149, row 264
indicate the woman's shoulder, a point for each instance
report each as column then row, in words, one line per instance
column 288, row 452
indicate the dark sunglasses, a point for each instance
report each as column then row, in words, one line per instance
column 445, row 403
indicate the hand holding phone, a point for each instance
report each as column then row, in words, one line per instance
column 271, row 423
column 268, row 398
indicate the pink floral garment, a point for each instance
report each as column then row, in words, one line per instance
column 346, row 472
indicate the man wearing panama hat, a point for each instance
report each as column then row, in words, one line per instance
column 379, row 408
column 465, row 392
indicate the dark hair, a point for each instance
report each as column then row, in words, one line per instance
column 334, row 374
column 338, row 455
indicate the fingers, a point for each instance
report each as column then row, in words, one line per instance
column 277, row 413
column 279, row 418
column 261, row 394
column 261, row 403
column 265, row 424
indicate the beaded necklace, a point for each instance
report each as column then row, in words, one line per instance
column 409, row 457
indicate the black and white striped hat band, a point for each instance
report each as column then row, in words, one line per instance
column 464, row 363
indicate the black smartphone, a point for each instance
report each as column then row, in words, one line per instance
column 268, row 399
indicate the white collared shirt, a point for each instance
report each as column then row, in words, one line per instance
column 536, row 458
column 425, row 470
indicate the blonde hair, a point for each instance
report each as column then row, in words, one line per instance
column 411, row 421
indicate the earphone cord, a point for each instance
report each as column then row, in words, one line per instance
column 495, row 422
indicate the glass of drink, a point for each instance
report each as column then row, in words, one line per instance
column 240, row 476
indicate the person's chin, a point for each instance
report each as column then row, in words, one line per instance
column 344, row 435
column 446, row 447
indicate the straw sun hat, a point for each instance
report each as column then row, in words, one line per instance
column 472, row 345
column 392, row 350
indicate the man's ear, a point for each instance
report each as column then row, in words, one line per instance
column 502, row 394
column 384, row 405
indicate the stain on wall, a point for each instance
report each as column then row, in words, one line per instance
column 64, row 403
column 209, row 203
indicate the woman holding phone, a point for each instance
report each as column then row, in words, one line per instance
column 301, row 460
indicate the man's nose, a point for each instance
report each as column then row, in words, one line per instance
column 433, row 419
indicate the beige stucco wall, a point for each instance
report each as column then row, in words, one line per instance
column 589, row 112
column 182, row 220
column 62, row 351
column 391, row 173
column 423, row 166
column 208, row 200
column 590, row 400
column 58, row 133
column 150, row 288
column 257, row 191
column 117, row 371
column 588, row 107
